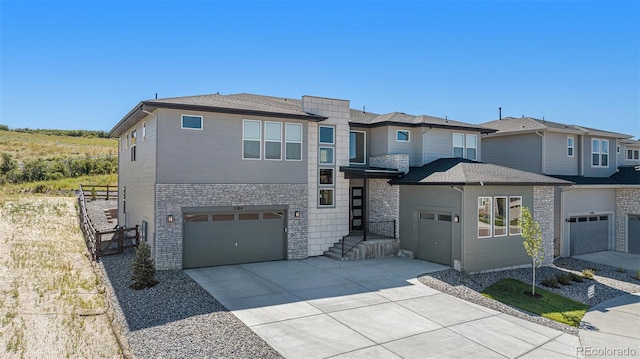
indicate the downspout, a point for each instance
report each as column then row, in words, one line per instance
column 543, row 153
column 461, row 226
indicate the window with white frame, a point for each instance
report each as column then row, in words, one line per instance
column 326, row 197
column 403, row 135
column 134, row 142
column 484, row 217
column 465, row 146
column 327, row 135
column 357, row 147
column 599, row 153
column 191, row 122
column 272, row 140
column 570, row 146
column 499, row 216
column 633, row 154
column 293, row 142
column 144, row 131
column 326, row 155
column 251, row 139
column 326, row 176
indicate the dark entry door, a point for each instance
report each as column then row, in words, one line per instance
column 633, row 235
column 357, row 208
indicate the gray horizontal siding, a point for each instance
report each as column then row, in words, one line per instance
column 557, row 160
column 523, row 152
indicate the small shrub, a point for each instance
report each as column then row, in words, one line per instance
column 636, row 276
column 564, row 279
column 576, row 278
column 621, row 270
column 144, row 271
column 550, row 282
column 587, row 273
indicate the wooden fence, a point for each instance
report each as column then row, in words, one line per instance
column 102, row 243
column 94, row 191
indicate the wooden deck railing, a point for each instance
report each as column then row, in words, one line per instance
column 94, row 191
column 102, row 243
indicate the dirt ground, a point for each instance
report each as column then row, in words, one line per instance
column 51, row 302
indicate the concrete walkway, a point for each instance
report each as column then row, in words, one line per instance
column 611, row 329
column 627, row 261
column 322, row 308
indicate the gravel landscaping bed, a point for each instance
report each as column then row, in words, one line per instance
column 609, row 283
column 95, row 210
column 176, row 318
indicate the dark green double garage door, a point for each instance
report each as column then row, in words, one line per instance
column 212, row 238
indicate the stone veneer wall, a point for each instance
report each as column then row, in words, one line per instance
column 327, row 225
column 171, row 198
column 543, row 205
column 627, row 202
column 384, row 202
column 398, row 162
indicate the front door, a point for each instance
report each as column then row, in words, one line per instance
column 357, row 208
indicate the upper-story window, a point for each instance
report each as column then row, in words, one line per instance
column 570, row 146
column 293, row 142
column 272, row 140
column 465, row 146
column 599, row 153
column 403, row 136
column 357, row 147
column 327, row 135
column 191, row 122
column 251, row 139
column 633, row 154
column 144, row 131
column 134, row 142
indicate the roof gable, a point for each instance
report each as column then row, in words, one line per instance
column 512, row 125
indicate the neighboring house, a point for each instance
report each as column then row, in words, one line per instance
column 224, row 179
column 601, row 210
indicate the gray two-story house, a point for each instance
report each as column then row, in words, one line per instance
column 226, row 179
column 601, row 210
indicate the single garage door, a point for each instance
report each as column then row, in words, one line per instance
column 434, row 233
column 589, row 234
column 633, row 230
column 211, row 239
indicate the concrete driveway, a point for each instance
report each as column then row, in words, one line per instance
column 321, row 308
column 627, row 261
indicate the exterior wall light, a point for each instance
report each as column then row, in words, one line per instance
column 296, row 214
column 456, row 219
column 170, row 218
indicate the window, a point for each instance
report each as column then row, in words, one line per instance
column 500, row 216
column 357, row 147
column 272, row 215
column 403, row 136
column 570, row 146
column 248, row 216
column 191, row 122
column 326, row 176
column 134, row 139
column 326, row 197
column 272, row 140
column 484, row 217
column 515, row 212
column 326, row 155
column 472, row 146
column 599, row 153
column 127, row 140
column 327, row 135
column 251, row 139
column 633, row 154
column 196, row 218
column 223, row 217
column 144, row 131
column 293, row 145
column 458, row 145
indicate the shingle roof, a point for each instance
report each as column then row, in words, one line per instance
column 401, row 118
column 524, row 124
column 464, row 171
column 626, row 175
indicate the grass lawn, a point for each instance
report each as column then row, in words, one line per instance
column 550, row 305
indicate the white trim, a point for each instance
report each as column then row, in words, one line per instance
column 519, row 216
column 453, row 145
column 408, row 136
column 572, row 146
column 333, row 197
column 333, row 139
column 600, row 153
column 191, row 128
column 466, row 147
column 506, row 217
column 333, row 156
column 252, row 139
column 272, row 141
column 365, row 148
column 299, row 125
column 333, row 177
column 490, row 224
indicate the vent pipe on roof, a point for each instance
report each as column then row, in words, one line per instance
column 156, row 95
column 363, row 111
column 500, row 113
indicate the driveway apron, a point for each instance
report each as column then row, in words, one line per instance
column 376, row 308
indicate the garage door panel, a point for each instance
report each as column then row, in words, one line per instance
column 233, row 241
column 434, row 238
column 589, row 234
column 633, row 236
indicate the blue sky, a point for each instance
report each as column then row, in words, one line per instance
column 85, row 64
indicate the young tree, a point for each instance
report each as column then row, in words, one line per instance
column 144, row 272
column 532, row 242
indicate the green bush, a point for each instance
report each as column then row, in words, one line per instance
column 564, row 278
column 576, row 278
column 144, row 272
column 550, row 282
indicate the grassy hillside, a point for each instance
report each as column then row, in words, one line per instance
column 46, row 152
